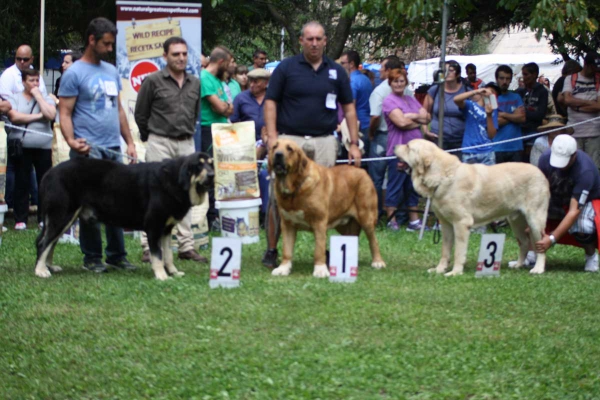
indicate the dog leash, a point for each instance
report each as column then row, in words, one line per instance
column 91, row 144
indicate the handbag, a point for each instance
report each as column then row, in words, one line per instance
column 15, row 146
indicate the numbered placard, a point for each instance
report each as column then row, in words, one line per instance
column 225, row 263
column 343, row 259
column 490, row 255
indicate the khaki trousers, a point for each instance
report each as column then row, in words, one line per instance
column 325, row 147
column 159, row 148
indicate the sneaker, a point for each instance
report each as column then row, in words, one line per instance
column 479, row 231
column 20, row 226
column 122, row 264
column 192, row 255
column 591, row 263
column 393, row 225
column 269, row 259
column 531, row 258
column 415, row 226
column 96, row 266
column 41, row 225
column 146, row 256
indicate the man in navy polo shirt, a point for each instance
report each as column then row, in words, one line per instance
column 302, row 99
column 301, row 105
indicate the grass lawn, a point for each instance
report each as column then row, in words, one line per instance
column 397, row 333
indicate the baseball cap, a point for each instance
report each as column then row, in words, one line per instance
column 563, row 147
column 592, row 59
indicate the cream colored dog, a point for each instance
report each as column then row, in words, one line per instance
column 464, row 196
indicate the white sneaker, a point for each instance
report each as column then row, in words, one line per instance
column 591, row 263
column 20, row 226
column 531, row 258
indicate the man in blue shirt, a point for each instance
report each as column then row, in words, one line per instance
column 248, row 105
column 361, row 91
column 91, row 115
column 511, row 114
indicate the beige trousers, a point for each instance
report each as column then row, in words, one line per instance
column 159, row 148
column 325, row 147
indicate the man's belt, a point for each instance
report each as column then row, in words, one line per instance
column 180, row 138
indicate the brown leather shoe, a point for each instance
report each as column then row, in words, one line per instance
column 192, row 255
column 146, row 256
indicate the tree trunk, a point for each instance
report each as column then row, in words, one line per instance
column 336, row 44
column 288, row 26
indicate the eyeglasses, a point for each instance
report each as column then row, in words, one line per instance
column 22, row 59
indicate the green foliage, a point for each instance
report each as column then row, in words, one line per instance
column 571, row 25
column 397, row 333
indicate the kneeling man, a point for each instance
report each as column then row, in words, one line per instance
column 574, row 183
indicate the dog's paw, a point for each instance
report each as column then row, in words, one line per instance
column 436, row 270
column 162, row 276
column 178, row 274
column 283, row 270
column 321, row 271
column 54, row 268
column 43, row 273
column 514, row 264
column 378, row 264
column 537, row 271
column 453, row 273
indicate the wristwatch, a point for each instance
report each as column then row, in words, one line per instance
column 552, row 240
column 354, row 142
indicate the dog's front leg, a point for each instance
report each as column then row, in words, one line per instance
column 156, row 256
column 447, row 240
column 168, row 256
column 288, row 231
column 321, row 270
column 461, row 243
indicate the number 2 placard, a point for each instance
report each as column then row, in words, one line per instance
column 490, row 255
column 343, row 259
column 225, row 262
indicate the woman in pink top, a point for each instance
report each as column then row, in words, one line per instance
column 404, row 116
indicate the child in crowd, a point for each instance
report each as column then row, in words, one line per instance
column 481, row 123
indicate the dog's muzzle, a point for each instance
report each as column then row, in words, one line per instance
column 279, row 164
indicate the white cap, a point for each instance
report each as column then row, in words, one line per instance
column 563, row 147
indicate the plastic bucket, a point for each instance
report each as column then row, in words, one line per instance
column 239, row 219
column 3, row 210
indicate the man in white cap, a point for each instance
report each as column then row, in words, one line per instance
column 574, row 184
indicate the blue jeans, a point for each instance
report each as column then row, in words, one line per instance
column 377, row 168
column 479, row 158
column 90, row 234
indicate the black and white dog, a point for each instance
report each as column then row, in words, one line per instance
column 151, row 197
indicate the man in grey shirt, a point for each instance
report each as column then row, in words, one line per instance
column 166, row 112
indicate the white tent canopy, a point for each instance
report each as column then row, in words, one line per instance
column 421, row 72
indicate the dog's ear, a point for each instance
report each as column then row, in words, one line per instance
column 425, row 161
column 185, row 175
column 302, row 164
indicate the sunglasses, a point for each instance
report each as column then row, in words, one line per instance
column 22, row 59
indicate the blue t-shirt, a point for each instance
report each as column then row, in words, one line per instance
column 583, row 174
column 361, row 91
column 96, row 112
column 246, row 108
column 476, row 127
column 454, row 119
column 508, row 103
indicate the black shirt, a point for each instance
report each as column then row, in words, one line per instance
column 301, row 94
column 536, row 103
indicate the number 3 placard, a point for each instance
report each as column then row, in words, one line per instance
column 490, row 255
column 225, row 262
column 343, row 259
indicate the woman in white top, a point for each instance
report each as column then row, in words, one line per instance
column 33, row 111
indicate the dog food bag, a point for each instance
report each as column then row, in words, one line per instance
column 234, row 147
column 3, row 159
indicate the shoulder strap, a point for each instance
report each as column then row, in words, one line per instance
column 30, row 112
column 596, row 80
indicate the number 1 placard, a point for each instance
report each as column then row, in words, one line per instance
column 225, row 262
column 490, row 255
column 343, row 259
